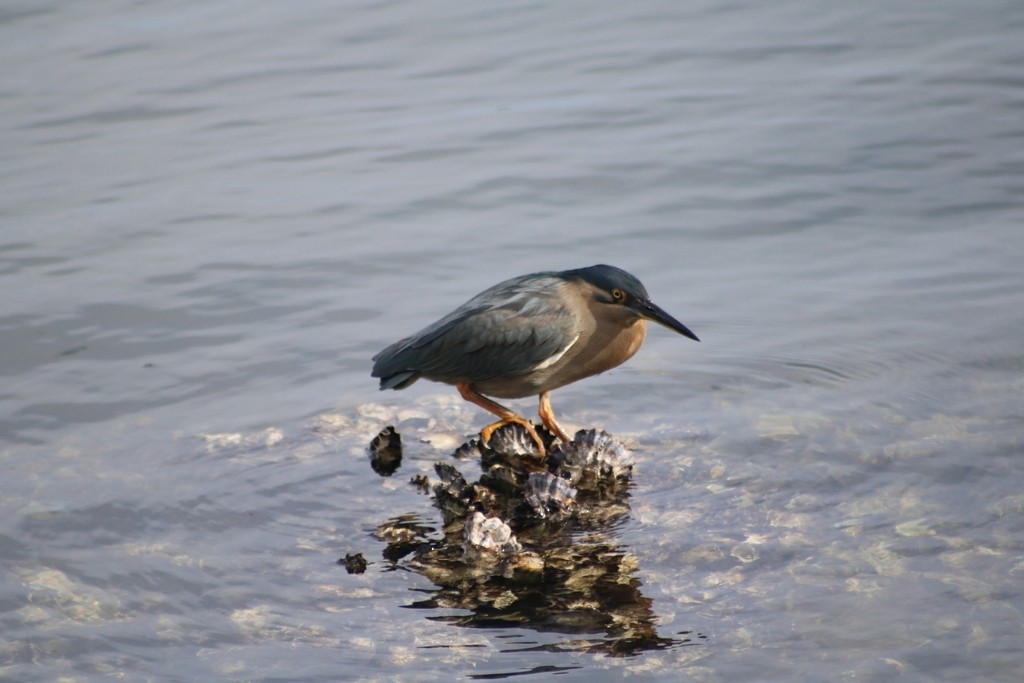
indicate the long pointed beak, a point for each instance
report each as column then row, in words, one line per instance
column 652, row 312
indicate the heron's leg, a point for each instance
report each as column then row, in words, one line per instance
column 506, row 415
column 547, row 416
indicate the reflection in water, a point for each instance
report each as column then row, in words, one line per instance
column 532, row 545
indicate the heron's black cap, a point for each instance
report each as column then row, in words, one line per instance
column 609, row 278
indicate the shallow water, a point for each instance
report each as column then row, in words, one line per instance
column 214, row 214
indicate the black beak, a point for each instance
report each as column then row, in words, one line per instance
column 651, row 311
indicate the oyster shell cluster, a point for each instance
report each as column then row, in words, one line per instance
column 594, row 458
column 524, row 543
column 579, row 484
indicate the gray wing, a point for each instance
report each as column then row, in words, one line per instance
column 501, row 333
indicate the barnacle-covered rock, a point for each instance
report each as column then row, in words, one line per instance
column 549, row 495
column 592, row 458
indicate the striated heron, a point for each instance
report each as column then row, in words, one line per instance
column 528, row 336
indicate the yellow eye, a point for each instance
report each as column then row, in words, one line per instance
column 618, row 294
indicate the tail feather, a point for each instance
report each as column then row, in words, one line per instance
column 392, row 366
column 399, row 380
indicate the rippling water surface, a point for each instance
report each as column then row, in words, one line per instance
column 214, row 213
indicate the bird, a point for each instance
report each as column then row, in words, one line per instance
column 528, row 336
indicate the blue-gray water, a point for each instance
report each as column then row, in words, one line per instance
column 212, row 214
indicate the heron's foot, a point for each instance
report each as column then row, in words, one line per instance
column 556, row 429
column 547, row 416
column 488, row 431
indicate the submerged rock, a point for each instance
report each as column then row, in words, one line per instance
column 354, row 563
column 404, row 535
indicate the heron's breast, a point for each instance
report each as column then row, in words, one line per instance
column 612, row 346
column 607, row 347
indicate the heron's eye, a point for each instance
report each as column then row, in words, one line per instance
column 618, row 294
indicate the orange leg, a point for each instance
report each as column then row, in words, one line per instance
column 547, row 416
column 506, row 415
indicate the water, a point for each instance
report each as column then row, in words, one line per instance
column 214, row 214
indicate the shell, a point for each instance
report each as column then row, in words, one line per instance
column 549, row 495
column 471, row 450
column 593, row 456
column 452, row 495
column 513, row 440
column 489, row 535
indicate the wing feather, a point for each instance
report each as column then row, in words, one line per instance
column 501, row 333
